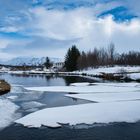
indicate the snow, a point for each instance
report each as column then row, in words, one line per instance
column 115, row 69
column 80, row 84
column 108, row 97
column 132, row 84
column 87, row 89
column 134, row 76
column 20, row 61
column 7, row 112
column 117, row 102
column 86, row 113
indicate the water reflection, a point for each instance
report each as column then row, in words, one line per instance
column 48, row 99
column 42, row 80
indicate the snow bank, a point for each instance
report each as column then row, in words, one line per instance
column 87, row 113
column 108, row 97
column 7, row 112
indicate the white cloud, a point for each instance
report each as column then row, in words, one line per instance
column 59, row 29
column 82, row 23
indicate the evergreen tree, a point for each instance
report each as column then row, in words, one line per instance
column 72, row 58
column 48, row 64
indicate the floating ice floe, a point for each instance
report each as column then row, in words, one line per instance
column 86, row 113
column 7, row 112
column 107, row 97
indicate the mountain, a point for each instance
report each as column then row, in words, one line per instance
column 20, row 61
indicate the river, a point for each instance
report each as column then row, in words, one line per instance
column 116, row 131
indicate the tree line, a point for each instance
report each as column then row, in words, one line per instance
column 76, row 60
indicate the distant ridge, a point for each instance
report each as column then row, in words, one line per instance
column 20, row 61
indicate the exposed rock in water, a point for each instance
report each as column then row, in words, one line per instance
column 4, row 87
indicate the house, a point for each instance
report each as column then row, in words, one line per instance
column 58, row 65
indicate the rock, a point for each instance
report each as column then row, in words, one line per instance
column 4, row 87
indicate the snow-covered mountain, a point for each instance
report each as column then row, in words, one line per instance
column 20, row 61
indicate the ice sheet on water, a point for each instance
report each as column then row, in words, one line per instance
column 7, row 112
column 132, row 84
column 81, row 84
column 86, row 113
column 32, row 104
column 12, row 97
column 107, row 97
column 97, row 87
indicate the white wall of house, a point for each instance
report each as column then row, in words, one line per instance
column 58, row 65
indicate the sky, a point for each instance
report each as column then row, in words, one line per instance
column 37, row 28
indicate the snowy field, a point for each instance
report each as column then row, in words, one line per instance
column 111, row 102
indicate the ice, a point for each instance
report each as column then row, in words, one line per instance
column 32, row 110
column 108, row 97
column 132, row 84
column 32, row 104
column 12, row 97
column 80, row 84
column 7, row 112
column 87, row 113
column 97, row 87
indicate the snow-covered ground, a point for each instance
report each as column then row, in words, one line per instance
column 115, row 69
column 134, row 76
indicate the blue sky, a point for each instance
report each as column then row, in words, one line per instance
column 38, row 28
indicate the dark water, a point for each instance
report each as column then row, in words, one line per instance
column 121, row 131
column 117, row 131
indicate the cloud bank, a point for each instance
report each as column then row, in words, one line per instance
column 45, row 32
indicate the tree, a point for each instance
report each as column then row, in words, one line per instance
column 71, row 58
column 48, row 64
column 111, row 53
